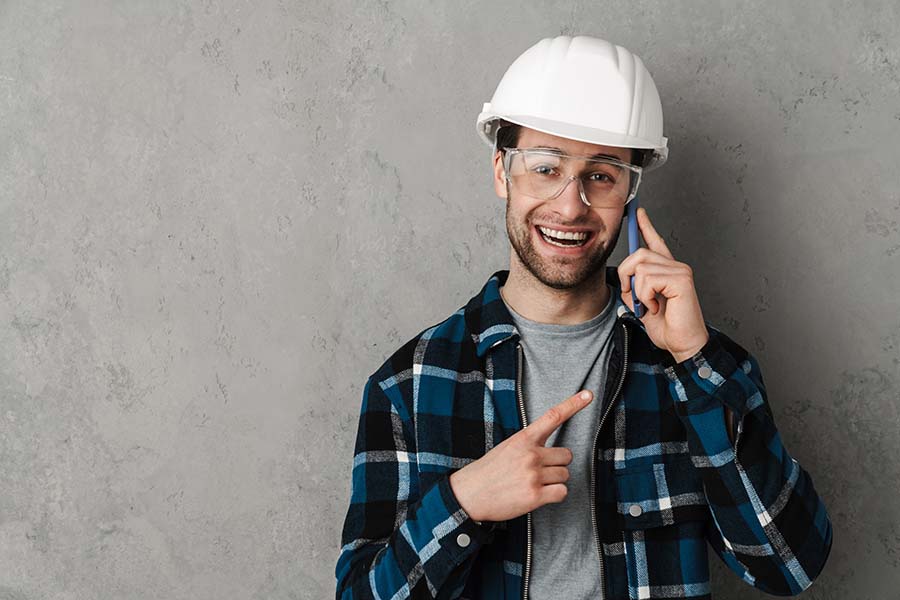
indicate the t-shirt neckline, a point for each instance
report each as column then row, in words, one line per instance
column 569, row 328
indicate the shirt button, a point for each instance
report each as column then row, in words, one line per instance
column 463, row 540
column 747, row 367
column 704, row 372
column 635, row 510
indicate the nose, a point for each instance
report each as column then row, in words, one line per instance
column 571, row 201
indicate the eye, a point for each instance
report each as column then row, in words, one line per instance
column 601, row 177
column 542, row 170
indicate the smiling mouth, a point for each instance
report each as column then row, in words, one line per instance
column 564, row 239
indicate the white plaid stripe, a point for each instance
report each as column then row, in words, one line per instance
column 418, row 360
column 774, row 536
column 662, row 493
column 645, row 369
column 687, row 590
column 439, row 531
column 488, row 401
column 378, row 456
column 785, row 494
column 752, row 550
column 640, row 565
column 443, row 460
column 657, row 449
column 679, row 389
column 653, row 504
column 495, row 329
column 615, row 549
column 403, row 467
column 619, row 425
column 717, row 460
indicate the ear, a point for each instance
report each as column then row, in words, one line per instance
column 499, row 175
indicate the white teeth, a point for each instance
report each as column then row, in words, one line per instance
column 563, row 235
column 550, row 240
column 551, row 236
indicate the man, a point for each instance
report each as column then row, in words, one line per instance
column 545, row 441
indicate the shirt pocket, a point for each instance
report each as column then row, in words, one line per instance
column 660, row 494
column 664, row 517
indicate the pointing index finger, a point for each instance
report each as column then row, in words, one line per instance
column 555, row 416
column 654, row 241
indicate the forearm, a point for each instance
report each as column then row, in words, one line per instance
column 397, row 536
column 421, row 556
column 771, row 525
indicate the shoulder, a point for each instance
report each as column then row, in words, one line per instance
column 443, row 345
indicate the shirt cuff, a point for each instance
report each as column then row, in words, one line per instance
column 701, row 374
column 469, row 534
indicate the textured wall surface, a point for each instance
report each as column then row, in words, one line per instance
column 216, row 219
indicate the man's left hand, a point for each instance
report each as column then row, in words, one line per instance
column 665, row 287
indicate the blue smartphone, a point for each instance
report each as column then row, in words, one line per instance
column 634, row 242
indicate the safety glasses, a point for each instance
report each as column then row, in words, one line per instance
column 543, row 174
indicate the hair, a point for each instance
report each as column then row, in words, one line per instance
column 508, row 136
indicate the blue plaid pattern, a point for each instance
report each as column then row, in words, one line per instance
column 672, row 480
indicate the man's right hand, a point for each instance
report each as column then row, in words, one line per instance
column 521, row 473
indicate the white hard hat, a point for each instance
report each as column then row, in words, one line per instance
column 580, row 88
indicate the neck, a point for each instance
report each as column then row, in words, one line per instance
column 536, row 301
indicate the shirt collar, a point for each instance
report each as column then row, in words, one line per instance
column 490, row 322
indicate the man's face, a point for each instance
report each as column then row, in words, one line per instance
column 555, row 266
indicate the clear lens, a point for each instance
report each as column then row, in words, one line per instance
column 544, row 174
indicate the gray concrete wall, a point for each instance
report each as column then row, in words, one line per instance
column 216, row 218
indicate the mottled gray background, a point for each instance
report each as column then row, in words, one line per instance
column 217, row 218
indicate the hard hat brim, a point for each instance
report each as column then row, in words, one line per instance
column 488, row 124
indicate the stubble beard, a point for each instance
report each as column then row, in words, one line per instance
column 549, row 272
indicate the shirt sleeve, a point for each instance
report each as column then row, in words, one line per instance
column 399, row 540
column 769, row 525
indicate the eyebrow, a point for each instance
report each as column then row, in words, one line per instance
column 598, row 155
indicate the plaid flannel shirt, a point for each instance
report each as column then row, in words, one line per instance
column 669, row 480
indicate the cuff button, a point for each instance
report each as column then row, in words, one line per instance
column 463, row 540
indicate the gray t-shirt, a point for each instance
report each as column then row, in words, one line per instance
column 558, row 361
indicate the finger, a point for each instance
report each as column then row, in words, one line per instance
column 645, row 282
column 667, row 281
column 660, row 304
column 553, row 455
column 640, row 286
column 654, row 241
column 555, row 492
column 539, row 430
column 550, row 475
column 629, row 265
column 660, row 301
column 656, row 285
column 626, row 298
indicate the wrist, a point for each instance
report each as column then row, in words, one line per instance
column 683, row 356
column 457, row 486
